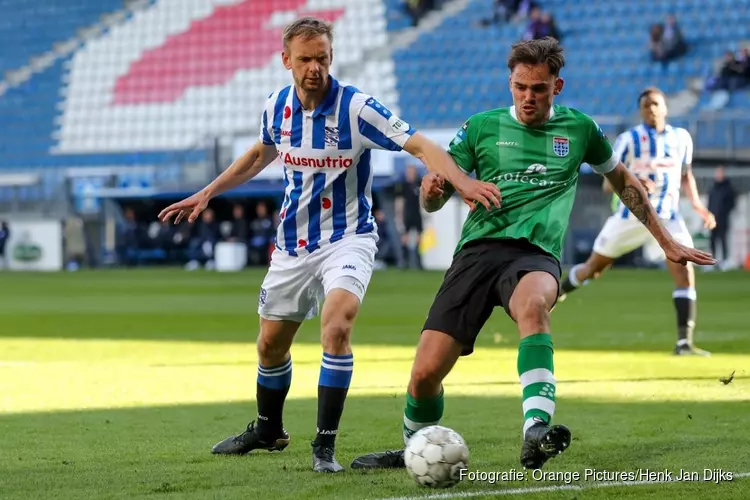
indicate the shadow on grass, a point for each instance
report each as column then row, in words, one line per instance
column 164, row 451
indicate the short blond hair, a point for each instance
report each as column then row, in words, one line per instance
column 306, row 28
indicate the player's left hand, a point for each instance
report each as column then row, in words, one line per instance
column 681, row 254
column 709, row 221
column 473, row 191
column 433, row 186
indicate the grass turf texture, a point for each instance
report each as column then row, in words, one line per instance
column 115, row 385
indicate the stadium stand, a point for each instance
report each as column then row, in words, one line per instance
column 620, row 65
column 157, row 86
column 149, row 98
column 32, row 27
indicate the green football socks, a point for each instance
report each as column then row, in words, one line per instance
column 536, row 370
column 421, row 413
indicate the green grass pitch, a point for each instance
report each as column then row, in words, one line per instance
column 116, row 384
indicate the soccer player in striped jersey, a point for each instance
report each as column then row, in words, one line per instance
column 322, row 132
column 660, row 156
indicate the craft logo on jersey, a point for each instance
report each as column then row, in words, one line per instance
column 332, row 136
column 561, row 146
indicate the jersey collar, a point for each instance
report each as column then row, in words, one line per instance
column 325, row 108
column 667, row 129
column 515, row 117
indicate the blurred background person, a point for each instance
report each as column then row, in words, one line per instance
column 409, row 215
column 721, row 201
column 4, row 237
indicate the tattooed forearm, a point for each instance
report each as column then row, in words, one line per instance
column 633, row 199
column 634, row 196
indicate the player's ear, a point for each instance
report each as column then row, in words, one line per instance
column 559, row 83
column 286, row 60
column 331, row 61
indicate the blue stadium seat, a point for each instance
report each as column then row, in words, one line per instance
column 31, row 27
column 614, row 59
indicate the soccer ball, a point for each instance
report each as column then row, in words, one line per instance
column 435, row 456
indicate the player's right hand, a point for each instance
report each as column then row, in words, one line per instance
column 190, row 207
column 473, row 191
column 682, row 254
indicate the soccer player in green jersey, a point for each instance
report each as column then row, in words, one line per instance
column 510, row 256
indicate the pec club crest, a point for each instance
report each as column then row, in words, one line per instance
column 561, row 146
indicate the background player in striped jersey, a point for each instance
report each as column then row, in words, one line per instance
column 660, row 156
column 322, row 131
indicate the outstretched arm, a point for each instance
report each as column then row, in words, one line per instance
column 239, row 172
column 242, row 170
column 440, row 162
column 691, row 191
column 634, row 196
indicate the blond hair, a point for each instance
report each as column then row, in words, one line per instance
column 306, row 28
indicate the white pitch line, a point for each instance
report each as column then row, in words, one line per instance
column 542, row 489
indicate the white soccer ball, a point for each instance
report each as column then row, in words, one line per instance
column 435, row 456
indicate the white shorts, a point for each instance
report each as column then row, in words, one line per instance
column 294, row 287
column 620, row 236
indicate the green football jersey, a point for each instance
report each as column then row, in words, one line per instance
column 536, row 169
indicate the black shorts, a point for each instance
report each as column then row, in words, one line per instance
column 483, row 275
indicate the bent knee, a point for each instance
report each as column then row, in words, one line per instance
column 269, row 348
column 336, row 332
column 425, row 378
column 533, row 308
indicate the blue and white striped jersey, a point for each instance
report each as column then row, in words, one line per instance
column 325, row 154
column 659, row 157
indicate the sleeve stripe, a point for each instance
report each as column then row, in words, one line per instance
column 378, row 109
column 607, row 166
column 377, row 118
column 376, row 136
